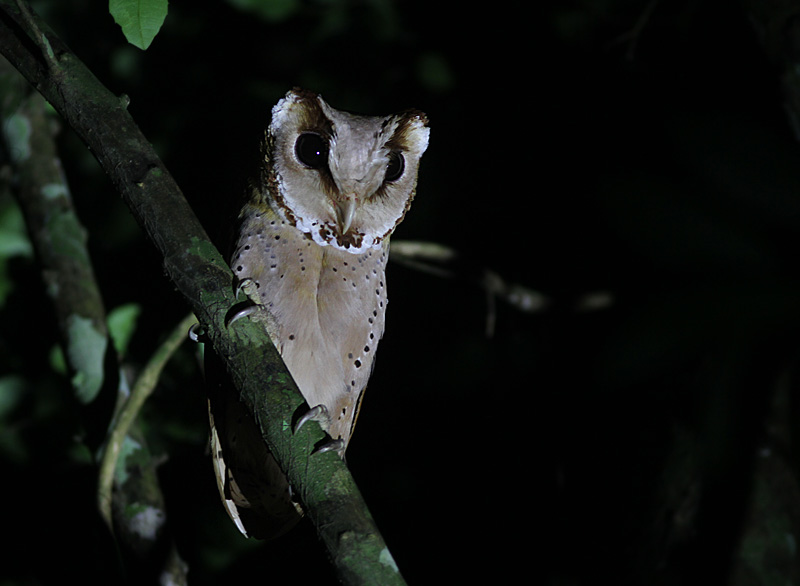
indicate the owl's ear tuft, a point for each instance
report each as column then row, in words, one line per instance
column 411, row 133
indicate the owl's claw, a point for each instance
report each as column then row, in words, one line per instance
column 249, row 286
column 244, row 312
column 196, row 333
column 318, row 414
column 336, row 445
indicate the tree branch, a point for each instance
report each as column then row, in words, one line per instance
column 443, row 261
column 57, row 235
column 60, row 243
column 326, row 488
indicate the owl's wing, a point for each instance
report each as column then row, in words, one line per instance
column 253, row 489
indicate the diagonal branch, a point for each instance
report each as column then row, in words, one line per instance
column 325, row 486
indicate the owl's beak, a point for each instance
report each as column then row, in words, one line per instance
column 345, row 211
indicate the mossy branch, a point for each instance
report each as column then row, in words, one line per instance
column 326, row 488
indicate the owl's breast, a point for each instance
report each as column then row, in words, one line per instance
column 327, row 305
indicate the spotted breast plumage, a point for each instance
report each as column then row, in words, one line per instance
column 312, row 248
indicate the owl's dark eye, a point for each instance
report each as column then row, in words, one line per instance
column 311, row 150
column 395, row 167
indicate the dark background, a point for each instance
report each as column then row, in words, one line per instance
column 572, row 152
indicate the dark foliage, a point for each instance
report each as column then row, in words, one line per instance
column 648, row 442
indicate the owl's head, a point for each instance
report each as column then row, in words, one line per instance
column 344, row 180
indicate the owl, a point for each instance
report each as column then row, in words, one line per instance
column 311, row 252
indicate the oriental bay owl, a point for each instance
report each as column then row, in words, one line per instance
column 312, row 246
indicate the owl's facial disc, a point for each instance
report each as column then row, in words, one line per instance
column 342, row 179
column 313, row 151
column 354, row 188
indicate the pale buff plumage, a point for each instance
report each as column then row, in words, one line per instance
column 312, row 247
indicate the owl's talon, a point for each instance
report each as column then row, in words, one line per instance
column 244, row 312
column 336, row 445
column 318, row 414
column 249, row 287
column 196, row 333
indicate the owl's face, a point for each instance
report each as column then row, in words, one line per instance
column 344, row 180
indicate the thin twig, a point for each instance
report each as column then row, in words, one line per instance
column 142, row 389
column 443, row 261
column 43, row 43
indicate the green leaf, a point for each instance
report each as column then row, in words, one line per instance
column 86, row 350
column 14, row 242
column 121, row 325
column 140, row 19
column 17, row 134
column 13, row 235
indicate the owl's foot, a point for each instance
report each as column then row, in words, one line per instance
column 320, row 415
column 250, row 289
column 247, row 286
